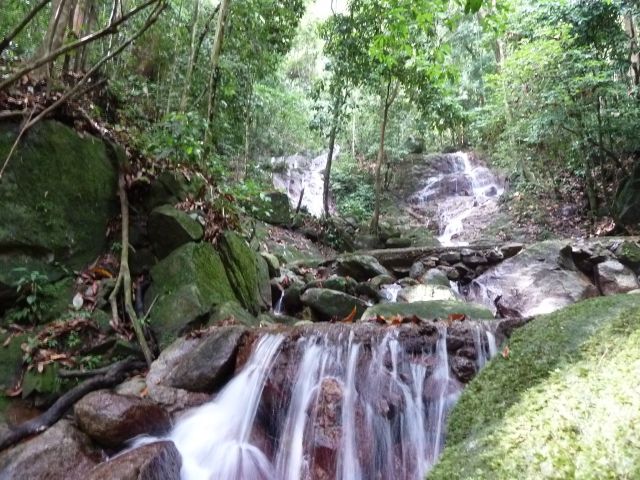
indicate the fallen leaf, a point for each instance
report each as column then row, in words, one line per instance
column 349, row 318
column 397, row 320
column 506, row 352
column 457, row 317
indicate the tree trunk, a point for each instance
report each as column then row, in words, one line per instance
column 327, row 170
column 192, row 53
column 214, row 77
column 634, row 54
column 60, row 16
column 386, row 104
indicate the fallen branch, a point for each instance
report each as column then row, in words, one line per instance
column 123, row 281
column 114, row 375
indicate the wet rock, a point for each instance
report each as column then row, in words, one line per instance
column 511, row 249
column 272, row 263
column 187, row 284
column 539, row 280
column 495, row 256
column 380, row 280
column 360, row 267
column 210, row 364
column 463, row 368
column 365, row 289
column 398, row 242
column 452, row 273
column 291, row 301
column 170, row 228
column 435, row 276
column 613, row 277
column 473, row 260
column 423, row 293
column 154, row 461
column 407, row 282
column 451, row 257
column 329, row 304
column 417, row 270
column 62, row 452
column 628, row 253
column 428, row 310
column 328, row 428
column 337, row 283
column 111, row 419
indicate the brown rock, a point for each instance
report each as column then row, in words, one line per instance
column 154, row 461
column 60, row 453
column 112, row 419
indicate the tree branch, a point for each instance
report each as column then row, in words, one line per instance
column 6, row 41
column 113, row 376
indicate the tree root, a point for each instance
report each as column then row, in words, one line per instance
column 114, row 375
column 123, row 282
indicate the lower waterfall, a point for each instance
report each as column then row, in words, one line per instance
column 330, row 402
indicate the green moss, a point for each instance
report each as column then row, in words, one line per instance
column 428, row 310
column 565, row 404
column 57, row 196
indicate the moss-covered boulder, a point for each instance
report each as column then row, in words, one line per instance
column 271, row 207
column 360, row 267
column 11, row 355
column 231, row 313
column 58, row 193
column 187, row 284
column 436, row 309
column 170, row 228
column 332, row 305
column 246, row 275
column 565, row 403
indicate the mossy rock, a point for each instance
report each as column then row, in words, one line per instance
column 11, row 358
column 170, row 228
column 271, row 207
column 58, row 194
column 231, row 313
column 627, row 201
column 245, row 274
column 629, row 254
column 435, row 309
column 187, row 284
column 565, row 403
column 332, row 305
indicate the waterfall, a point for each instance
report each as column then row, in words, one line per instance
column 329, row 402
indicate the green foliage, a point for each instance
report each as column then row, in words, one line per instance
column 563, row 405
column 32, row 295
column 352, row 189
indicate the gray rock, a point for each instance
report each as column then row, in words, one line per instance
column 417, row 270
column 61, row 452
column 360, row 267
column 170, row 228
column 153, row 461
column 451, row 257
column 398, row 242
column 435, row 276
column 210, row 364
column 474, row 260
column 273, row 263
column 111, row 419
column 423, row 293
column 511, row 249
column 380, row 280
column 332, row 305
column 291, row 301
column 272, row 207
column 613, row 277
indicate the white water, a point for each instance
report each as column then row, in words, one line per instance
column 353, row 407
column 459, row 195
column 390, row 292
column 300, row 173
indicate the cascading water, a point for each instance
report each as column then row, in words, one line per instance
column 462, row 191
column 330, row 402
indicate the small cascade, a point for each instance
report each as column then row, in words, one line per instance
column 462, row 192
column 390, row 292
column 278, row 308
column 331, row 401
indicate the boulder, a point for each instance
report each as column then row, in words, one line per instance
column 231, row 313
column 244, row 272
column 272, row 263
column 627, row 201
column 424, row 293
column 187, row 284
column 380, row 280
column 367, row 242
column 435, row 276
column 613, row 277
column 210, row 364
column 451, row 257
column 61, row 452
column 398, row 242
column 291, row 301
column 360, row 267
column 153, row 461
column 428, row 310
column 271, row 207
column 628, row 253
column 11, row 360
column 335, row 282
column 170, row 228
column 417, row 270
column 332, row 305
column 111, row 419
column 540, row 279
column 58, row 193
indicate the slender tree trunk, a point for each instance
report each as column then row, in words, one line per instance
column 214, row 77
column 60, row 14
column 634, row 54
column 388, row 98
column 327, row 170
column 192, row 53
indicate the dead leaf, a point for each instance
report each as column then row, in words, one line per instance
column 506, row 352
column 457, row 317
column 349, row 318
